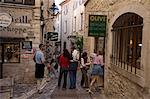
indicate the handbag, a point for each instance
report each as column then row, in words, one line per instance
column 87, row 67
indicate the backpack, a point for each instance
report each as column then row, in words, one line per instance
column 34, row 58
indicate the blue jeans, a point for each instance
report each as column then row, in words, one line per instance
column 72, row 75
column 63, row 71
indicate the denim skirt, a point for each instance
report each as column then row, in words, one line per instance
column 97, row 70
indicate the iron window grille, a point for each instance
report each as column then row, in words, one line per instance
column 127, row 42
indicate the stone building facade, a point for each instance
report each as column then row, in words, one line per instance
column 66, row 21
column 20, row 33
column 127, row 46
column 72, row 22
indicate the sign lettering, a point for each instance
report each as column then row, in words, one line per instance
column 97, row 25
column 5, row 19
column 52, row 36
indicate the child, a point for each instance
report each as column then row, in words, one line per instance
column 51, row 69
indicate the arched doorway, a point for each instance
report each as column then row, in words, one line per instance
column 127, row 41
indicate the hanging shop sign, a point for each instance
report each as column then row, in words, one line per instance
column 52, row 36
column 5, row 19
column 97, row 25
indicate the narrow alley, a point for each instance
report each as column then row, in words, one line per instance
column 111, row 36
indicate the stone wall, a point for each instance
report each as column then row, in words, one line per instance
column 122, row 88
column 23, row 72
column 116, row 85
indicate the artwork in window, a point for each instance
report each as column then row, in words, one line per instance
column 11, row 53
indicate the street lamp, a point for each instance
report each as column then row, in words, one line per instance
column 53, row 10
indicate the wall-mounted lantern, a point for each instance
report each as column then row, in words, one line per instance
column 53, row 10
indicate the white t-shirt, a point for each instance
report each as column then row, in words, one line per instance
column 75, row 55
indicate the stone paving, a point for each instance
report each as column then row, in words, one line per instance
column 20, row 89
column 51, row 91
column 47, row 90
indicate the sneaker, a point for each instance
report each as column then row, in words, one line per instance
column 40, row 91
column 90, row 92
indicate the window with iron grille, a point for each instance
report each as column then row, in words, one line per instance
column 127, row 42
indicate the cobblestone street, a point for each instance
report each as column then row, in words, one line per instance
column 20, row 89
column 47, row 91
column 51, row 91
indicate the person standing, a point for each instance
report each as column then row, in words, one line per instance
column 64, row 65
column 97, row 70
column 85, row 65
column 73, row 67
column 39, row 67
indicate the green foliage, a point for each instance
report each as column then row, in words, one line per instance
column 79, row 43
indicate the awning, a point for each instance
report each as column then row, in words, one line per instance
column 11, row 39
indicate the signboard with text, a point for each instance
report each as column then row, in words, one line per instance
column 97, row 25
column 52, row 36
column 14, row 22
column 27, row 45
column 5, row 19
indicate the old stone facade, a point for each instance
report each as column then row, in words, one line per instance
column 123, row 83
column 72, row 22
column 21, row 36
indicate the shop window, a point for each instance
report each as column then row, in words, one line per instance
column 127, row 42
column 26, row 2
column 11, row 52
column 14, row 1
column 29, row 2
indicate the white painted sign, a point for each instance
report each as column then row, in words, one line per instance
column 5, row 19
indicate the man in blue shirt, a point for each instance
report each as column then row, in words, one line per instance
column 39, row 67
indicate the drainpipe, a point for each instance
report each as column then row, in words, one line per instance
column 61, row 33
column 1, row 63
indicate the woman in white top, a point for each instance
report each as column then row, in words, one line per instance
column 84, row 67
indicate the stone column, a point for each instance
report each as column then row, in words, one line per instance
column 147, row 59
